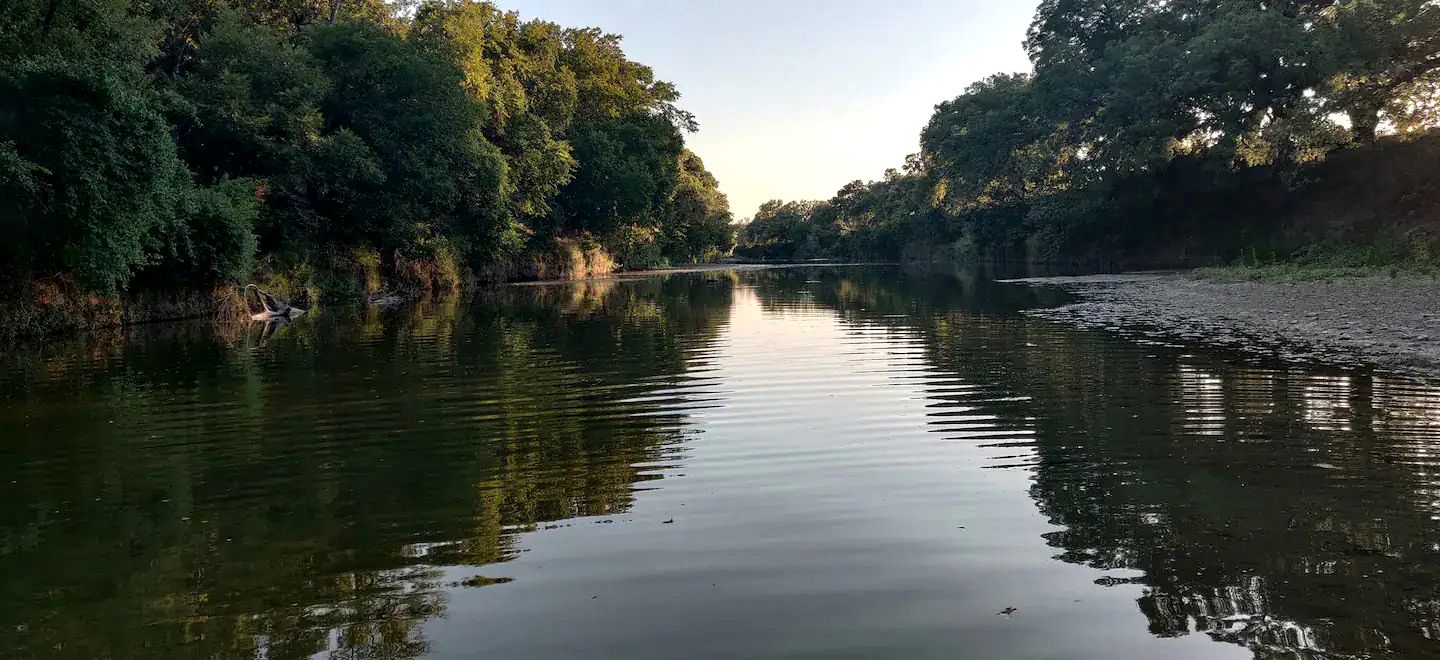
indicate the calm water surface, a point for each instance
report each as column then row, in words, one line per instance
column 821, row 462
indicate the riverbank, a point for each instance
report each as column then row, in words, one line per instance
column 1292, row 272
column 45, row 309
column 1388, row 323
column 651, row 272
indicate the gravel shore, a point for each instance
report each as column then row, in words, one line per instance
column 1391, row 324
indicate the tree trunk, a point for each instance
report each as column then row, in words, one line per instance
column 49, row 21
column 1364, row 119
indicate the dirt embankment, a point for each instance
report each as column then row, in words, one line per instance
column 1388, row 323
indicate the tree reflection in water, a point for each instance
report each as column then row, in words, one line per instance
column 181, row 491
column 1292, row 510
column 177, row 491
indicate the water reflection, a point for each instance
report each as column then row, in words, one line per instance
column 1289, row 510
column 180, row 492
column 811, row 461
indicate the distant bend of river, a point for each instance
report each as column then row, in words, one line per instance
column 813, row 461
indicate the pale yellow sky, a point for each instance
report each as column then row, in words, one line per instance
column 796, row 98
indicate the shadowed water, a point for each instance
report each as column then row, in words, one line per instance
column 819, row 462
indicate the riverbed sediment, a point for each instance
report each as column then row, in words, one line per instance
column 1388, row 323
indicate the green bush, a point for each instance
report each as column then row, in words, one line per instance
column 90, row 172
column 220, row 230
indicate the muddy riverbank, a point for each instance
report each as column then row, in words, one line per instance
column 1388, row 323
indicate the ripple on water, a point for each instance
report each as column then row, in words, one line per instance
column 813, row 461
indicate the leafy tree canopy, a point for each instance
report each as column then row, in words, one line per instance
column 175, row 140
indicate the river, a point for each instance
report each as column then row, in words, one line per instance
column 814, row 462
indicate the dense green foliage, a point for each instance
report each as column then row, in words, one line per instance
column 1162, row 129
column 196, row 142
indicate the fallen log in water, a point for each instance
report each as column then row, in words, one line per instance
column 272, row 308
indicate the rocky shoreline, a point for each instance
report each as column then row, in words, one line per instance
column 1392, row 324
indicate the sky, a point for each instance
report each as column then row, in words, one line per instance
column 796, row 98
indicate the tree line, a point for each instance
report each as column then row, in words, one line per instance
column 1171, row 128
column 156, row 143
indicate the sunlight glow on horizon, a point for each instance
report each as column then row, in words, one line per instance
column 796, row 99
